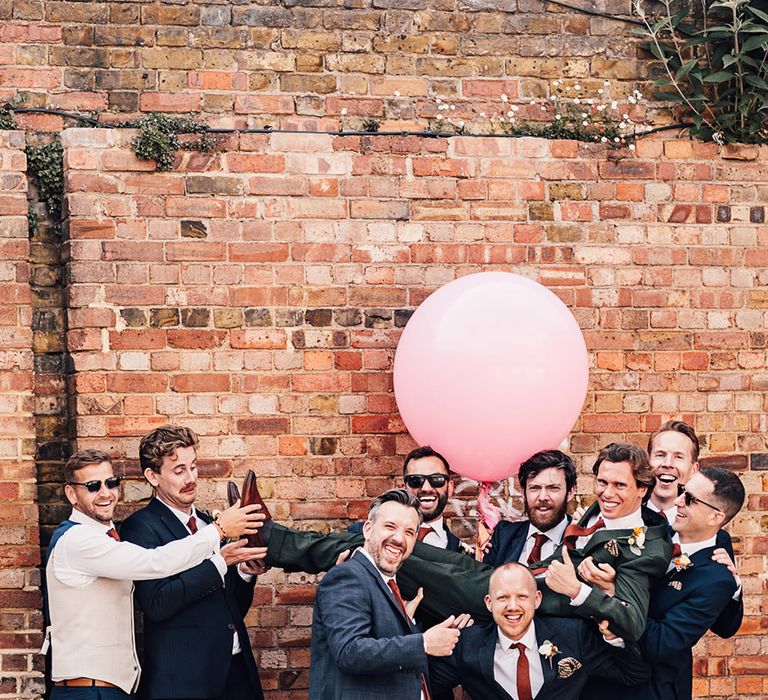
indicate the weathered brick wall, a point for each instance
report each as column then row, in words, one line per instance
column 257, row 295
column 20, row 615
column 301, row 62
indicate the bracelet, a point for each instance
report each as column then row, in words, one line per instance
column 216, row 514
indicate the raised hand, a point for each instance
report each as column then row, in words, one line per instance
column 236, row 521
column 441, row 639
column 561, row 576
column 601, row 575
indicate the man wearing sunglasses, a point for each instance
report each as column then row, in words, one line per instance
column 696, row 589
column 89, row 582
column 195, row 641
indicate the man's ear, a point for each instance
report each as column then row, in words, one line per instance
column 571, row 494
column 69, row 492
column 487, row 600
column 537, row 600
column 151, row 477
column 367, row 525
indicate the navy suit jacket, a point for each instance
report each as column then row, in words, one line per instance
column 362, row 645
column 684, row 604
column 471, row 663
column 453, row 541
column 729, row 621
column 508, row 541
column 189, row 619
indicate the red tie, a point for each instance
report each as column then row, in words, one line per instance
column 424, row 530
column 113, row 534
column 676, row 551
column 523, row 674
column 192, row 524
column 539, row 539
column 574, row 531
column 399, row 598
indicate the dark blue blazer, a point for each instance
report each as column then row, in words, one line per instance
column 471, row 663
column 508, row 542
column 453, row 541
column 189, row 619
column 729, row 621
column 362, row 645
column 684, row 604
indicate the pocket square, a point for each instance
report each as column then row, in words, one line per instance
column 567, row 667
column 613, row 547
column 677, row 585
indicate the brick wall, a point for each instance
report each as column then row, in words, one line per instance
column 300, row 63
column 257, row 293
column 20, row 616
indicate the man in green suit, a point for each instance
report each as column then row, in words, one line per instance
column 617, row 531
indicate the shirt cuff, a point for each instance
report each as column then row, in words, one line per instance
column 737, row 595
column 211, row 533
column 220, row 564
column 618, row 642
column 246, row 577
column 582, row 595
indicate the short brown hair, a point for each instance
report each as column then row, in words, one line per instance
column 678, row 426
column 637, row 458
column 162, row 442
column 83, row 458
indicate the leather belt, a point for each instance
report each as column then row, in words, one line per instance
column 84, row 683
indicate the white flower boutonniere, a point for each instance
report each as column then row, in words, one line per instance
column 682, row 562
column 548, row 650
column 636, row 540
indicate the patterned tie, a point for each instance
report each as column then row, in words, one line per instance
column 192, row 524
column 574, row 531
column 399, row 598
column 523, row 673
column 424, row 530
column 113, row 534
column 539, row 539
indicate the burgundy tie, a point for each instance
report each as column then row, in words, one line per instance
column 574, row 531
column 113, row 534
column 539, row 539
column 399, row 598
column 676, row 551
column 192, row 524
column 523, row 674
column 424, row 530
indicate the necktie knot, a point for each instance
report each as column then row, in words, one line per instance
column 574, row 531
column 192, row 524
column 424, row 530
column 113, row 534
column 676, row 550
column 539, row 539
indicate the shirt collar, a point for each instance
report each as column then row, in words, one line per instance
column 80, row 517
column 180, row 514
column 690, row 548
column 437, row 525
column 528, row 639
column 669, row 513
column 627, row 522
column 554, row 533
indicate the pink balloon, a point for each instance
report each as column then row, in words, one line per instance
column 491, row 368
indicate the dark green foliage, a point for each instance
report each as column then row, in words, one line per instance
column 715, row 66
column 46, row 166
column 7, row 122
column 158, row 138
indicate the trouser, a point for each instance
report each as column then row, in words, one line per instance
column 63, row 693
column 239, row 685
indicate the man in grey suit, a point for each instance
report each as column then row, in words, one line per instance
column 364, row 642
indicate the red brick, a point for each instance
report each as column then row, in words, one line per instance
column 200, row 383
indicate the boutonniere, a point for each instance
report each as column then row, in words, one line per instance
column 636, row 540
column 548, row 650
column 682, row 562
column 613, row 547
column 567, row 667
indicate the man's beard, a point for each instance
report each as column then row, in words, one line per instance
column 437, row 509
column 546, row 521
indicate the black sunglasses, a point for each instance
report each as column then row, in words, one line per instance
column 416, row 481
column 690, row 499
column 95, row 486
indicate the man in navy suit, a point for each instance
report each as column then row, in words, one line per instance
column 427, row 477
column 548, row 481
column 693, row 593
column 521, row 658
column 195, row 641
column 364, row 642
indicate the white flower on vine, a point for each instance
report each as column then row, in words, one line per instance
column 577, row 100
column 603, row 139
column 504, row 98
column 631, row 100
column 585, row 123
column 606, row 83
column 543, row 108
column 397, row 93
column 515, row 108
column 558, row 117
column 482, row 115
column 600, row 91
column 616, row 139
column 614, row 105
column 439, row 117
column 343, row 111
column 631, row 146
column 577, row 87
column 600, row 108
column 453, row 107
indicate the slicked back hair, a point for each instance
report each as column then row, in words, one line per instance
column 728, row 493
column 400, row 496
column 83, row 458
column 162, row 442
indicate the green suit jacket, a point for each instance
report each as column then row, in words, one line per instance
column 454, row 583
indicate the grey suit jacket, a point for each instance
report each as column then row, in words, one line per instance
column 362, row 646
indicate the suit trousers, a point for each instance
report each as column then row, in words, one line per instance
column 238, row 682
column 63, row 693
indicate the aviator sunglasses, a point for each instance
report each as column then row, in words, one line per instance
column 690, row 499
column 95, row 486
column 416, row 481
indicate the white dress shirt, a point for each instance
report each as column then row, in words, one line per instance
column 669, row 513
column 438, row 537
column 554, row 539
column 85, row 553
column 505, row 662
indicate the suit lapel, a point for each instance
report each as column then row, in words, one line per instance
column 545, row 632
column 168, row 519
column 368, row 565
column 486, row 653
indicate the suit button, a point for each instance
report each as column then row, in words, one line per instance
column 230, row 626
